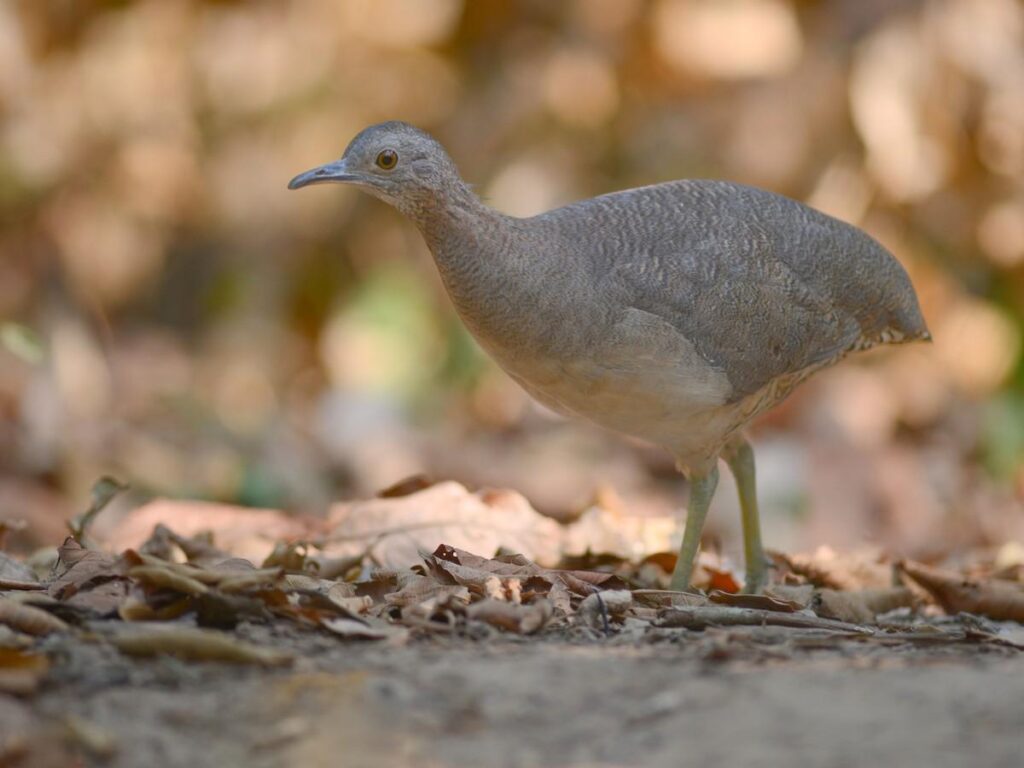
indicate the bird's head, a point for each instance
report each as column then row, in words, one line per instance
column 395, row 162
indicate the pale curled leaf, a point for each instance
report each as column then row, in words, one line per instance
column 157, row 576
column 765, row 602
column 995, row 599
column 861, row 606
column 400, row 527
column 424, row 590
column 21, row 671
column 512, row 617
column 28, row 619
column 197, row 645
column 360, row 630
column 601, row 607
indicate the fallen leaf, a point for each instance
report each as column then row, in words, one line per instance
column 166, row 578
column 866, row 569
column 238, row 531
column 764, row 602
column 406, row 487
column 360, row 630
column 717, row 580
column 21, row 671
column 293, row 556
column 424, row 589
column 401, row 527
column 599, row 608
column 997, row 600
column 79, row 568
column 100, row 599
column 861, row 606
column 798, row 594
column 480, row 582
column 197, row 645
column 340, row 567
column 519, row 566
column 29, row 619
column 512, row 617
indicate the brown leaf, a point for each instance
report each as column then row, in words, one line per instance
column 340, row 567
column 862, row 606
column 844, row 571
column 799, row 594
column 511, row 617
column 238, row 531
column 423, row 589
column 533, row 576
column 666, row 561
column 361, row 630
column 759, row 602
column 167, row 578
column 197, row 645
column 600, row 607
column 21, row 671
column 136, row 609
column 399, row 528
column 406, row 487
column 351, row 603
column 79, row 567
column 480, row 582
column 716, row 579
column 101, row 599
column 28, row 619
column 663, row 598
column 1002, row 601
column 235, row 581
column 292, row 556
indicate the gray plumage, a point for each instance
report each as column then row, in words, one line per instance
column 674, row 312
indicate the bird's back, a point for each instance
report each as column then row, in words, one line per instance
column 761, row 285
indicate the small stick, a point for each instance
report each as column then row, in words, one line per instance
column 721, row 616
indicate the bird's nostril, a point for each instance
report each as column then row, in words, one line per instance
column 321, row 172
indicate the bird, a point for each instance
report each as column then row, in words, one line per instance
column 674, row 313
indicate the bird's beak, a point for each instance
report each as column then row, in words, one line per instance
column 336, row 172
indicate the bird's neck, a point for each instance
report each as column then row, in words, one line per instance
column 468, row 239
column 485, row 268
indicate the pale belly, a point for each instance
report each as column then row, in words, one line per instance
column 673, row 414
column 639, row 377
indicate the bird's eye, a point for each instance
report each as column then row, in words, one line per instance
column 387, row 159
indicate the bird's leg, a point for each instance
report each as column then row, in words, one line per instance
column 702, row 488
column 740, row 458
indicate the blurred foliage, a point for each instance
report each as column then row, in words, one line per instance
column 203, row 331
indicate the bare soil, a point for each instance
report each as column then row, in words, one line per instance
column 748, row 696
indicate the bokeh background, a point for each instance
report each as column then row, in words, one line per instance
column 171, row 315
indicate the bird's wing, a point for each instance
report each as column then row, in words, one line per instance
column 723, row 285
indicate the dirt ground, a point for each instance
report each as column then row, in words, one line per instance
column 749, row 696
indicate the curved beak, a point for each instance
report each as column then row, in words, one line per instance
column 336, row 172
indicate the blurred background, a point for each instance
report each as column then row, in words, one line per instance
column 171, row 315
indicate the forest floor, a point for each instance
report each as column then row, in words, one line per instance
column 742, row 697
column 172, row 652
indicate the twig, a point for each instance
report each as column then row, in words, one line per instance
column 700, row 617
